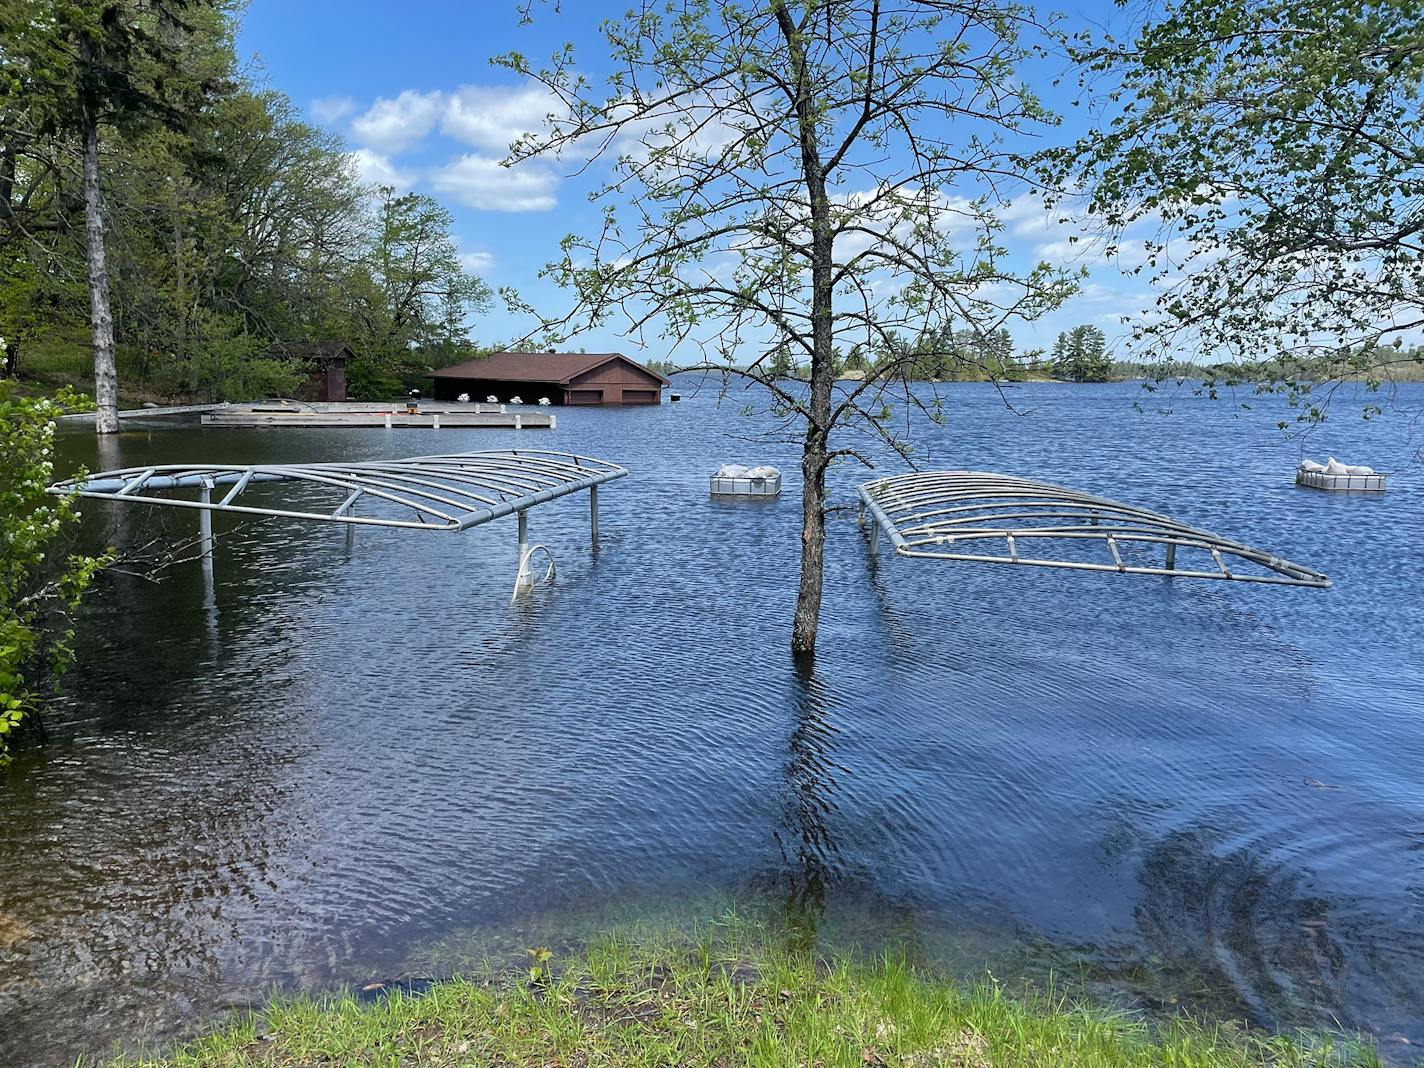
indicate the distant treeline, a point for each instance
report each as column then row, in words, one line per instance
column 1365, row 364
column 951, row 355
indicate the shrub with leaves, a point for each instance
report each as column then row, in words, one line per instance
column 41, row 581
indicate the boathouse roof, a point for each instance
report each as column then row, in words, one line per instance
column 558, row 367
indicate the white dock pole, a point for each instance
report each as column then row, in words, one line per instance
column 205, row 539
column 520, row 580
column 518, row 421
column 205, row 522
column 388, row 420
column 593, row 515
column 436, row 418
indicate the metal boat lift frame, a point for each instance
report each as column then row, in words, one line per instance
column 452, row 492
column 933, row 513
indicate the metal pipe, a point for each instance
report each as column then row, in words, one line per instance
column 521, row 577
column 593, row 515
column 205, row 521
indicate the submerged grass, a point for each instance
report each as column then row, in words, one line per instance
column 731, row 996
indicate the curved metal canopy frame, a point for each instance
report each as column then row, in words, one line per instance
column 451, row 492
column 967, row 515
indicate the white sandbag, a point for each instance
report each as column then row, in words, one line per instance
column 731, row 471
column 1358, row 469
column 1311, row 467
column 1335, row 467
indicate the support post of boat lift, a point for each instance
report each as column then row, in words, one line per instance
column 518, row 421
column 874, row 535
column 521, row 580
column 205, row 520
column 435, row 417
column 593, row 515
column 388, row 420
column 205, row 538
column 1171, row 556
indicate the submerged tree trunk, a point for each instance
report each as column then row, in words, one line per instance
column 106, row 379
column 815, row 455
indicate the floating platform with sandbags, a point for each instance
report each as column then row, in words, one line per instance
column 1336, row 477
column 427, row 415
column 737, row 480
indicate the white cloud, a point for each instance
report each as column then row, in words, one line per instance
column 329, row 110
column 491, row 117
column 480, row 182
column 476, row 262
column 377, row 169
column 393, row 125
column 1064, row 250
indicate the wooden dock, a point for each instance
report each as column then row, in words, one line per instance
column 431, row 416
column 149, row 413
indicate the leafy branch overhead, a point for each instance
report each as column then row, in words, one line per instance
column 1279, row 146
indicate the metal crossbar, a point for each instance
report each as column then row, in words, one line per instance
column 451, row 492
column 962, row 515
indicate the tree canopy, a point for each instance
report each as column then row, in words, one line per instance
column 228, row 223
column 1280, row 146
column 1080, row 355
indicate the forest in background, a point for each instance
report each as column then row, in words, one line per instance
column 230, row 225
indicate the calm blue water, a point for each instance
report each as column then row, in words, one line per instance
column 1189, row 795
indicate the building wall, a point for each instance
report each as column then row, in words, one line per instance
column 326, row 381
column 335, row 382
column 620, row 383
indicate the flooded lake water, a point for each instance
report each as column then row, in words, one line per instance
column 1190, row 795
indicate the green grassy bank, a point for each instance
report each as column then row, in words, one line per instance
column 731, row 999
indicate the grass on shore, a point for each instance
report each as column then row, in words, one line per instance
column 738, row 1001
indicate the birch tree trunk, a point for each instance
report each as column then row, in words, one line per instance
column 106, row 379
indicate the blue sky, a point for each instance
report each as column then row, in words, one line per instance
column 411, row 90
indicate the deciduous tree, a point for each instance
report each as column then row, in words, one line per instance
column 1280, row 145
column 89, row 64
column 814, row 175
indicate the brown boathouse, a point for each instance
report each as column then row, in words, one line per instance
column 562, row 377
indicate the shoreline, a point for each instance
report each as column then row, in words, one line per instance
column 729, row 996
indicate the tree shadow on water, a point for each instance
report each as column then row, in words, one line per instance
column 811, row 855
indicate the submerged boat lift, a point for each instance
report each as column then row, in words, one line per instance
column 1002, row 519
column 436, row 493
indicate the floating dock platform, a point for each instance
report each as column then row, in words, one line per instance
column 1346, row 483
column 430, row 416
